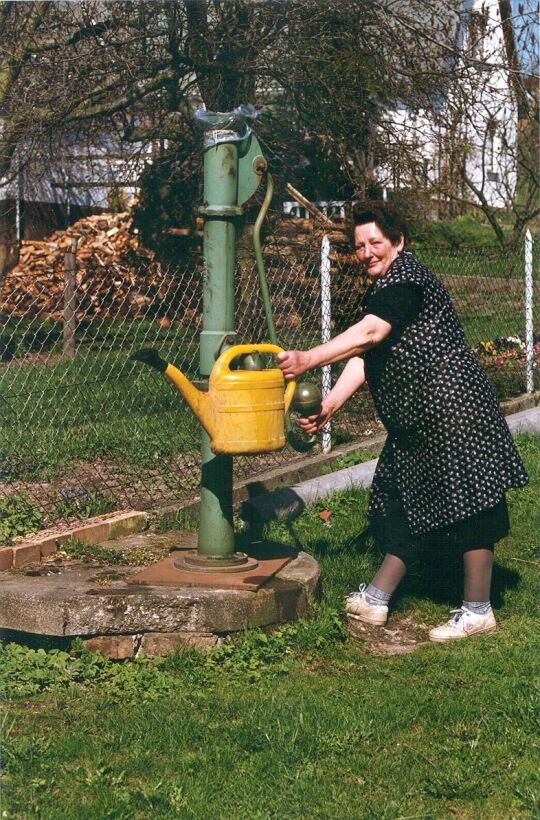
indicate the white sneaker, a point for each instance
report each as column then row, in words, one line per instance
column 463, row 625
column 358, row 608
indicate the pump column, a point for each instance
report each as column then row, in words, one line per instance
column 216, row 535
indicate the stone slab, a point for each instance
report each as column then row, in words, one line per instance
column 171, row 540
column 118, row 647
column 24, row 554
column 78, row 599
column 525, row 401
column 6, row 558
column 526, row 421
column 160, row 643
column 304, row 571
column 150, row 644
column 164, row 573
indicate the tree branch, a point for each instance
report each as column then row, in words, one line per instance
column 486, row 208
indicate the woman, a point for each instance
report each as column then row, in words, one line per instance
column 449, row 457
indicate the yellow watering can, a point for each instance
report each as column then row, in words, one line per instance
column 244, row 410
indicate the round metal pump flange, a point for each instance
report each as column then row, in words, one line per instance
column 194, row 562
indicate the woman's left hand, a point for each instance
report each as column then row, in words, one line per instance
column 312, row 424
column 293, row 363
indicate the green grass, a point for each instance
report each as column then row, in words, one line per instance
column 302, row 723
column 481, row 264
column 350, row 460
column 99, row 405
column 467, row 237
column 470, row 232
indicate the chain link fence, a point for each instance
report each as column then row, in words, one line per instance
column 84, row 430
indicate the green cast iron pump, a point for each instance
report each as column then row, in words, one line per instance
column 234, row 167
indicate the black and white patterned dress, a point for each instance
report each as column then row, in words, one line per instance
column 449, row 454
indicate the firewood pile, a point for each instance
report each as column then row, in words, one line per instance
column 294, row 238
column 113, row 270
column 117, row 276
column 292, row 255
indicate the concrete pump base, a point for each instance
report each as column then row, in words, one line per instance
column 68, row 598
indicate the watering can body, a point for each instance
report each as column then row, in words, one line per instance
column 243, row 411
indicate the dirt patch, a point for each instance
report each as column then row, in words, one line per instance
column 401, row 635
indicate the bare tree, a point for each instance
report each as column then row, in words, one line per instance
column 479, row 141
column 332, row 79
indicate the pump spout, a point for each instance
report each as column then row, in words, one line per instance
column 199, row 402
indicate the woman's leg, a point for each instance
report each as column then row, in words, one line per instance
column 475, row 615
column 478, row 566
column 477, row 563
column 389, row 574
column 370, row 604
column 393, row 535
column 391, row 531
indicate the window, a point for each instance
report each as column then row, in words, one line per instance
column 490, row 158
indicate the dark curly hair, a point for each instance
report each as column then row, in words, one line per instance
column 389, row 219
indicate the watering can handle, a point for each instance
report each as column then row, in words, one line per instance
column 223, row 363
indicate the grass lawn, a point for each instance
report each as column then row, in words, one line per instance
column 479, row 263
column 305, row 722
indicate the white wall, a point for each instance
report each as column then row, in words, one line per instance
column 479, row 110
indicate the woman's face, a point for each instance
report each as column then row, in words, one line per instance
column 374, row 250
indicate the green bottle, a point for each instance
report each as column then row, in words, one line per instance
column 307, row 399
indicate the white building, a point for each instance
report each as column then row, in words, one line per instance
column 77, row 180
column 466, row 143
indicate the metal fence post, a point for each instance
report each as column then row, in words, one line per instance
column 529, row 336
column 326, row 319
column 69, row 301
column 19, row 209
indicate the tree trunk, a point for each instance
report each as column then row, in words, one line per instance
column 9, row 258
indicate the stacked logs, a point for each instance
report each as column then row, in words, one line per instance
column 117, row 276
column 292, row 255
column 110, row 261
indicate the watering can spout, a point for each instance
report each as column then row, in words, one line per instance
column 151, row 357
column 198, row 401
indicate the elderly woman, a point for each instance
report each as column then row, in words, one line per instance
column 449, row 457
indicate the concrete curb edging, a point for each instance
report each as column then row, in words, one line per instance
column 525, row 421
column 32, row 548
column 288, row 503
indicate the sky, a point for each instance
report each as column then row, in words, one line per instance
column 527, row 23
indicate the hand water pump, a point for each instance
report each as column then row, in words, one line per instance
column 245, row 410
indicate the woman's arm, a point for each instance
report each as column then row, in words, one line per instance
column 355, row 341
column 351, row 379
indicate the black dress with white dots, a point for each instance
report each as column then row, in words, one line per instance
column 449, row 454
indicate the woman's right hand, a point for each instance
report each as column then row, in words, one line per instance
column 293, row 363
column 312, row 424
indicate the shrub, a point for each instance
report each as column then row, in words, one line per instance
column 76, row 503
